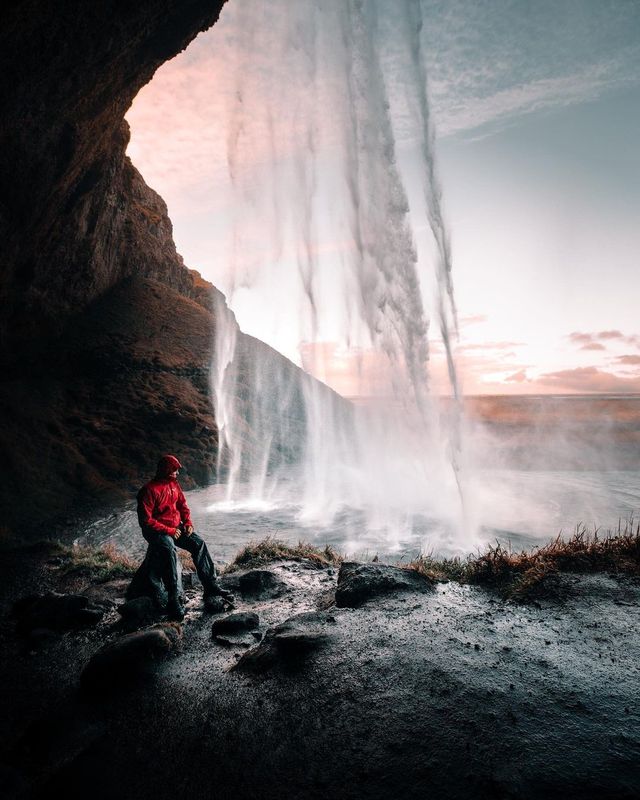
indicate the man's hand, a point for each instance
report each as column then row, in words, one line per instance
column 188, row 529
column 177, row 534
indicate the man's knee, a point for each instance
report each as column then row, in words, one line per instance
column 193, row 543
column 197, row 540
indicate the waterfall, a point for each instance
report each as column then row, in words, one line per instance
column 326, row 99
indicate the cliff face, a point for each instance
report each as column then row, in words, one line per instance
column 105, row 335
column 75, row 215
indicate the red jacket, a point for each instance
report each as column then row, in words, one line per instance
column 162, row 506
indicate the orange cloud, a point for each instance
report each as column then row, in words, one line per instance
column 518, row 377
column 579, row 338
column 589, row 380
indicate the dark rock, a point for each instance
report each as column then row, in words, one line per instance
column 137, row 613
column 293, row 639
column 216, row 605
column 89, row 615
column 124, row 659
column 55, row 611
column 358, row 583
column 240, row 621
column 108, row 594
column 261, row 584
column 290, row 643
column 172, row 630
column 41, row 638
column 241, row 639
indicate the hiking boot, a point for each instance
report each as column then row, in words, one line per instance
column 175, row 609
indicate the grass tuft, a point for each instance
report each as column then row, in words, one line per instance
column 99, row 565
column 529, row 574
column 256, row 554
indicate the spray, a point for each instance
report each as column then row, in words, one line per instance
column 313, row 154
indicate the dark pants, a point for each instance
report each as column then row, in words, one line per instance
column 163, row 562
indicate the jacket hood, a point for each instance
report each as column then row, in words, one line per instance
column 166, row 466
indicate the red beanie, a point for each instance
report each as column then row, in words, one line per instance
column 167, row 465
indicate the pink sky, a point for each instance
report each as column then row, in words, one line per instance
column 531, row 321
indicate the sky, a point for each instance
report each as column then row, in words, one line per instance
column 536, row 107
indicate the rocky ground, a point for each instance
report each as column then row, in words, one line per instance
column 350, row 682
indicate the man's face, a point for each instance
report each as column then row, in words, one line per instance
column 174, row 474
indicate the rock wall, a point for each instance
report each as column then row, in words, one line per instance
column 75, row 215
column 105, row 336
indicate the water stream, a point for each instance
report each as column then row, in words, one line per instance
column 323, row 211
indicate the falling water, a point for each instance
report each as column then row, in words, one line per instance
column 326, row 95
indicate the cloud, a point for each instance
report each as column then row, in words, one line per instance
column 610, row 335
column 528, row 98
column 579, row 338
column 629, row 359
column 491, row 64
column 592, row 341
column 589, row 380
column 518, row 377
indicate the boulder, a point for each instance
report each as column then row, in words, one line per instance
column 216, row 605
column 56, row 612
column 232, row 623
column 237, row 630
column 137, row 613
column 358, row 583
column 123, row 660
column 289, row 643
column 261, row 584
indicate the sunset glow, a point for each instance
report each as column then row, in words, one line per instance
column 541, row 177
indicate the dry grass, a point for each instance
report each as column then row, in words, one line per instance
column 98, row 564
column 527, row 574
column 256, row 554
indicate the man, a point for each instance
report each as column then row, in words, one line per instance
column 165, row 520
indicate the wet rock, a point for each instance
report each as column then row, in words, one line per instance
column 295, row 639
column 289, row 643
column 358, row 583
column 236, row 630
column 261, row 584
column 56, row 612
column 242, row 639
column 118, row 662
column 232, row 623
column 137, row 613
column 216, row 605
